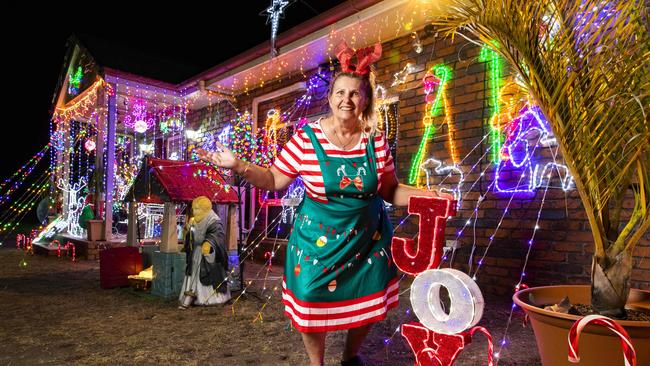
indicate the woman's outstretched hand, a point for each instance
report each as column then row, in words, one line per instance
column 223, row 157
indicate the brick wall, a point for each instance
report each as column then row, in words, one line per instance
column 562, row 246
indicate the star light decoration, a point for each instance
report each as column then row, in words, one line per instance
column 274, row 12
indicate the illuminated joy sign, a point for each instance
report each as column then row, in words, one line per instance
column 440, row 337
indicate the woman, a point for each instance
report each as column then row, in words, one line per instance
column 338, row 271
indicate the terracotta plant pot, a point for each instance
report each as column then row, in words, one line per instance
column 598, row 345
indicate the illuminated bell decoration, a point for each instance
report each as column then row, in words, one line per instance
column 140, row 126
column 89, row 145
column 466, row 300
column 139, row 119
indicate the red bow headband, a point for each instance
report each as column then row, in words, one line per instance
column 365, row 57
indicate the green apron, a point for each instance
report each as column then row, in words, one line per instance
column 340, row 250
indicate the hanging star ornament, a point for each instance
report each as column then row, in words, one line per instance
column 274, row 12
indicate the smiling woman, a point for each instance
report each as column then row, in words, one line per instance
column 339, row 274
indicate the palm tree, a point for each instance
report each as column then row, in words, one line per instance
column 585, row 63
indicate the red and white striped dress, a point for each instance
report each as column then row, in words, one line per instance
column 298, row 158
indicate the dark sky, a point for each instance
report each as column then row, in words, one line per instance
column 193, row 38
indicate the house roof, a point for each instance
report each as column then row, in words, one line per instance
column 305, row 46
column 119, row 56
column 160, row 181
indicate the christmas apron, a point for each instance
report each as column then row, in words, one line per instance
column 338, row 270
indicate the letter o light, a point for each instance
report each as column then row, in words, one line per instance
column 466, row 300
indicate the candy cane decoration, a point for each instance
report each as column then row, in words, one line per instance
column 19, row 240
column 629, row 354
column 489, row 339
column 269, row 256
column 74, row 254
column 58, row 247
column 438, row 75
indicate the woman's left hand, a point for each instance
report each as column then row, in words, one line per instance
column 223, row 157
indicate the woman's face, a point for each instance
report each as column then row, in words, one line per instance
column 348, row 99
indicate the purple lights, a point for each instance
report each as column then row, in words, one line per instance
column 518, row 170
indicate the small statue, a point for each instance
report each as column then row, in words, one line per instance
column 206, row 281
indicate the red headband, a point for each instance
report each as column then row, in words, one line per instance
column 365, row 57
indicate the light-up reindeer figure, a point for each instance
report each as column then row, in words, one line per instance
column 433, row 167
column 291, row 199
column 74, row 203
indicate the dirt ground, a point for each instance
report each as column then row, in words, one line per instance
column 54, row 312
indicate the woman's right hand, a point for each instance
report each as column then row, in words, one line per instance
column 223, row 157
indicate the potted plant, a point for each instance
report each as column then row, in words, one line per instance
column 585, row 63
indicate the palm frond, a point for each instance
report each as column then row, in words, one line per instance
column 585, row 63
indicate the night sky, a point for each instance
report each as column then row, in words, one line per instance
column 193, row 38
